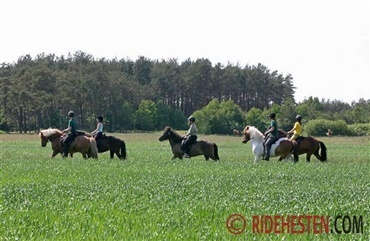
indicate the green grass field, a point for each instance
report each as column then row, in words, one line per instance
column 150, row 197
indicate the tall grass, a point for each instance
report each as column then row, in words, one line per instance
column 150, row 197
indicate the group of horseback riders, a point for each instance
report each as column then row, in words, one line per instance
column 71, row 131
column 272, row 134
column 189, row 138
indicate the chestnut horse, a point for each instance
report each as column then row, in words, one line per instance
column 310, row 145
column 283, row 147
column 208, row 149
column 83, row 144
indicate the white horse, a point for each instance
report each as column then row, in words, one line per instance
column 283, row 147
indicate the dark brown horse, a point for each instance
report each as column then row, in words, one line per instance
column 112, row 144
column 311, row 146
column 83, row 144
column 208, row 149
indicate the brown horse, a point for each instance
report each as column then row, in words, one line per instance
column 282, row 148
column 208, row 149
column 311, row 146
column 83, row 144
column 112, row 144
column 237, row 132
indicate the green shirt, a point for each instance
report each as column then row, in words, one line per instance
column 73, row 125
column 275, row 133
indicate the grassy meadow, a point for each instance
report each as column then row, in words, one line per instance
column 150, row 197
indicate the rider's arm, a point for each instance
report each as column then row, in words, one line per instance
column 270, row 130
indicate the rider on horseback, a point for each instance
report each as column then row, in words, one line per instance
column 273, row 135
column 297, row 128
column 190, row 137
column 98, row 132
column 72, row 129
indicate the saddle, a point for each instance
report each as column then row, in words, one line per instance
column 299, row 139
column 98, row 142
column 190, row 145
column 79, row 133
column 281, row 135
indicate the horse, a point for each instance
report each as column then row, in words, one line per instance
column 208, row 149
column 112, row 144
column 237, row 132
column 82, row 143
column 283, row 147
column 310, row 145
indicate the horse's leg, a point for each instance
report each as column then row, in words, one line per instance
column 54, row 154
column 174, row 157
column 111, row 154
column 206, row 157
column 308, row 157
column 257, row 157
column 84, row 155
column 316, row 154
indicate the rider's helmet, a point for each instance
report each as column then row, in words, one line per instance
column 272, row 115
column 100, row 118
column 298, row 117
column 191, row 118
column 71, row 113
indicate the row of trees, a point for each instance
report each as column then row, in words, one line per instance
column 35, row 92
column 149, row 94
column 223, row 117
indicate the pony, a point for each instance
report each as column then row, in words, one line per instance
column 83, row 144
column 329, row 133
column 112, row 144
column 310, row 145
column 208, row 149
column 283, row 147
column 236, row 132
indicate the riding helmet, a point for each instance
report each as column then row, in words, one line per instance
column 100, row 118
column 272, row 115
column 71, row 113
column 298, row 117
column 191, row 118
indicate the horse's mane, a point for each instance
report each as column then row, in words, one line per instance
column 253, row 131
column 174, row 134
column 50, row 132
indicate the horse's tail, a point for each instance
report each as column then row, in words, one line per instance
column 215, row 152
column 123, row 149
column 93, row 148
column 323, row 151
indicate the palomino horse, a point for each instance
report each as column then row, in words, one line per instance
column 208, row 149
column 112, row 144
column 311, row 146
column 83, row 144
column 282, row 147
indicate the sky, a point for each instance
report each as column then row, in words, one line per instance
column 323, row 44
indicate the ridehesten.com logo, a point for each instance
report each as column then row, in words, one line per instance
column 295, row 224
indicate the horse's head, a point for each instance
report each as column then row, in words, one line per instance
column 246, row 135
column 166, row 133
column 44, row 139
column 49, row 135
column 251, row 132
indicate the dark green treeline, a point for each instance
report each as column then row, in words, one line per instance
column 38, row 92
